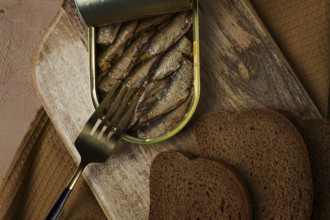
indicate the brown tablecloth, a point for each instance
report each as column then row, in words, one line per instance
column 39, row 172
column 42, row 165
column 301, row 30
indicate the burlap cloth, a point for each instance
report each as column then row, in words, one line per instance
column 42, row 165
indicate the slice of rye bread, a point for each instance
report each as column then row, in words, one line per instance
column 270, row 155
column 187, row 188
column 316, row 134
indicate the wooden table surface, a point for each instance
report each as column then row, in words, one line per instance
column 241, row 67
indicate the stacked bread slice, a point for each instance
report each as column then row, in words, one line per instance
column 316, row 134
column 269, row 156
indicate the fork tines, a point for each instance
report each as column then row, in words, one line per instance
column 114, row 113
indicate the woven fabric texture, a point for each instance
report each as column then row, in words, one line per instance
column 40, row 170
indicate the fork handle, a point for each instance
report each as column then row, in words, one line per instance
column 57, row 208
column 55, row 212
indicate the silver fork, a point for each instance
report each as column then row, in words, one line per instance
column 100, row 135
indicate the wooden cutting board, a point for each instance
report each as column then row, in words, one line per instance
column 241, row 67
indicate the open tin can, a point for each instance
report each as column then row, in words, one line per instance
column 87, row 15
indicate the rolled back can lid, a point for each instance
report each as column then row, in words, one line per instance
column 102, row 12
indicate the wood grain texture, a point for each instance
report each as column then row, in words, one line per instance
column 241, row 67
column 82, row 30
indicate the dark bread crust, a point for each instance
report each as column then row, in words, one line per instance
column 316, row 134
column 182, row 187
column 270, row 155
